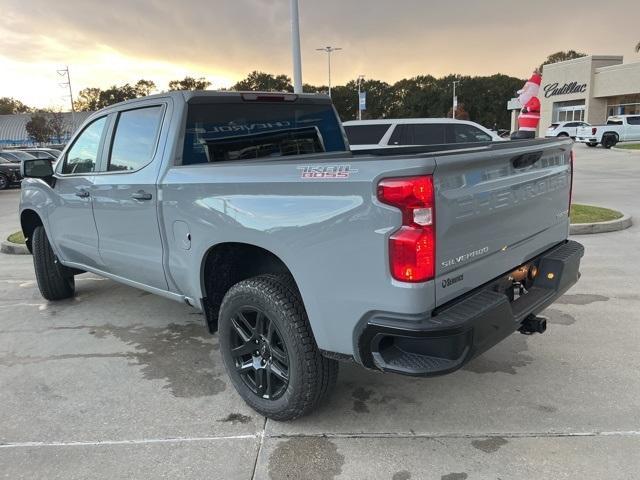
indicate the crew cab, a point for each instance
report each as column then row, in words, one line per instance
column 250, row 208
column 620, row 128
column 390, row 133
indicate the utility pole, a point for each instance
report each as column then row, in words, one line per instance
column 329, row 50
column 455, row 99
column 64, row 73
column 360, row 79
column 295, row 47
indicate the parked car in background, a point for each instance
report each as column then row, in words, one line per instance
column 620, row 128
column 48, row 153
column 9, row 173
column 565, row 129
column 367, row 134
column 16, row 156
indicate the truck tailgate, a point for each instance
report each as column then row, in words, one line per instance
column 496, row 209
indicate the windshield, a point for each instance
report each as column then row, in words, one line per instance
column 235, row 131
column 4, row 160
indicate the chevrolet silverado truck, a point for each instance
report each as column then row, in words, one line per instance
column 250, row 208
column 621, row 128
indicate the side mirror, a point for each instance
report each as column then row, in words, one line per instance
column 37, row 168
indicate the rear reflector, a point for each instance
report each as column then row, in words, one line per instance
column 412, row 247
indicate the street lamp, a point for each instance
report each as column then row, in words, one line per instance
column 295, row 47
column 360, row 79
column 455, row 99
column 329, row 50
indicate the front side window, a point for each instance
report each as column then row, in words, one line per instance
column 468, row 134
column 83, row 155
column 135, row 137
column 365, row 134
column 428, row 133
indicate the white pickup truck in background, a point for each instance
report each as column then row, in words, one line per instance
column 620, row 128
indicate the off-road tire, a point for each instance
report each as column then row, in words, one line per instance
column 312, row 377
column 55, row 281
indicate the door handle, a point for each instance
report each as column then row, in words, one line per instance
column 83, row 194
column 141, row 195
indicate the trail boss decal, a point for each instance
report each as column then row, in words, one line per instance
column 326, row 172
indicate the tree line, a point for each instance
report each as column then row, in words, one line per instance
column 482, row 99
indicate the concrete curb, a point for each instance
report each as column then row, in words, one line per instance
column 601, row 227
column 625, row 150
column 11, row 248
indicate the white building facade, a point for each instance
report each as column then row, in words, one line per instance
column 586, row 89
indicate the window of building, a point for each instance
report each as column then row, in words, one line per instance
column 572, row 111
column 135, row 138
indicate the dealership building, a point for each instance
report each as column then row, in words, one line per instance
column 586, row 89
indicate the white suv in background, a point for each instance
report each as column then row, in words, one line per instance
column 565, row 129
column 366, row 134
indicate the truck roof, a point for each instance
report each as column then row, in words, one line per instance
column 203, row 95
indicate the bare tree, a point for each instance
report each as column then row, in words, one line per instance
column 38, row 128
column 58, row 126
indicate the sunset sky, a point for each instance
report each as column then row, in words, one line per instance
column 118, row 41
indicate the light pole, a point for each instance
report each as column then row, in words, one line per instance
column 295, row 47
column 455, row 100
column 329, row 50
column 360, row 79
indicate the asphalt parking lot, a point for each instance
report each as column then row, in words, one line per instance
column 116, row 383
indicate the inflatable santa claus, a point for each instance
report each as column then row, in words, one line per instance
column 529, row 117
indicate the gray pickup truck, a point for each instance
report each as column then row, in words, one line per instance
column 250, row 208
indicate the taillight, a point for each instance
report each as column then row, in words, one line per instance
column 594, row 130
column 571, row 162
column 412, row 247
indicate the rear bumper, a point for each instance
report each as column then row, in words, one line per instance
column 464, row 328
column 586, row 140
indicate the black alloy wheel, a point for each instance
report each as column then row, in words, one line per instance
column 259, row 353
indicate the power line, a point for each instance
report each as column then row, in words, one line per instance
column 64, row 73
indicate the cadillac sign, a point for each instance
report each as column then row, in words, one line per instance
column 554, row 89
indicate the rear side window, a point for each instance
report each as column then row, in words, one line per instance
column 463, row 133
column 419, row 134
column 82, row 156
column 365, row 134
column 135, row 138
column 221, row 132
column 633, row 120
column 614, row 122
